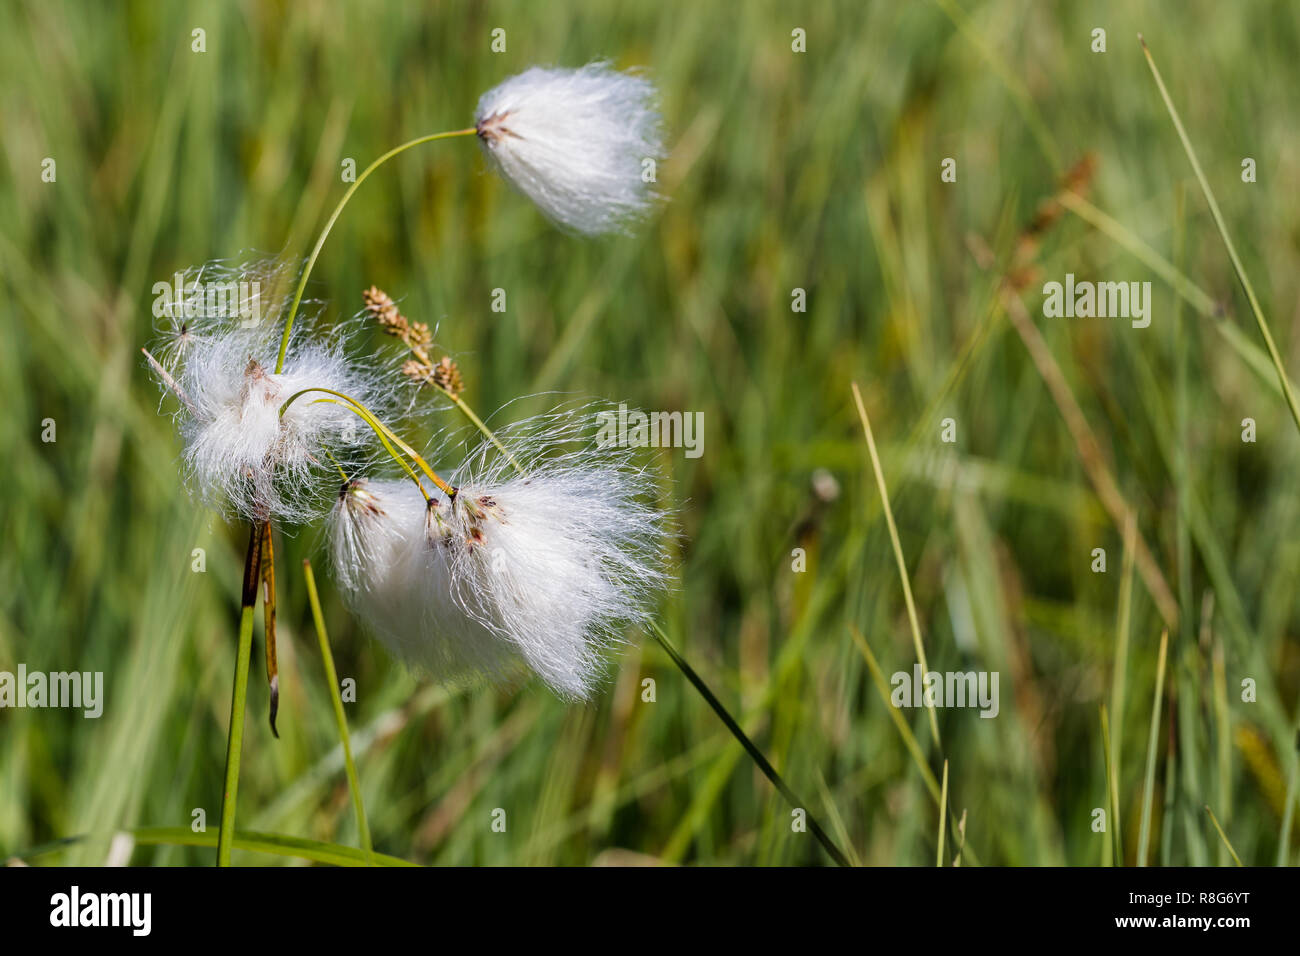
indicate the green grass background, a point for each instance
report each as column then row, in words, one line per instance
column 818, row 171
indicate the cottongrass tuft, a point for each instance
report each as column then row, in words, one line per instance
column 241, row 456
column 541, row 570
column 575, row 142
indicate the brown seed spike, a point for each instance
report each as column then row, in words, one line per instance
column 417, row 372
column 380, row 305
column 446, row 375
column 420, row 335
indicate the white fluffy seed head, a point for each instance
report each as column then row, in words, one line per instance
column 542, row 570
column 401, row 587
column 576, row 142
column 242, row 457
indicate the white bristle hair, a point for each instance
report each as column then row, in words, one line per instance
column 400, row 587
column 543, row 570
column 240, row 456
column 575, row 142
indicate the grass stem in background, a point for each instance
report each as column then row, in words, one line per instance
column 239, row 694
column 1112, row 793
column 340, row 718
column 1288, row 816
column 1119, row 678
column 1153, row 741
column 1222, row 736
column 943, row 809
column 904, row 731
column 1223, row 836
column 898, row 556
column 1090, row 456
column 268, row 623
column 1227, row 239
column 961, row 838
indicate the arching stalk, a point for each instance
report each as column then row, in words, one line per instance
column 386, row 434
column 329, row 224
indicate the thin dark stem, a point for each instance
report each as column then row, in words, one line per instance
column 755, row 754
column 268, row 621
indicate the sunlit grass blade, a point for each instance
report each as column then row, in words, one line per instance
column 1115, row 856
column 909, row 739
column 1223, row 836
column 340, row 718
column 1222, row 735
column 1288, row 815
column 898, row 554
column 275, row 844
column 904, row 731
column 1264, row 330
column 837, row 821
column 272, row 844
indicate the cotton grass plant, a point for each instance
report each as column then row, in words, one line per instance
column 540, row 547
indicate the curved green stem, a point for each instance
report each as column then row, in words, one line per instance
column 383, row 440
column 386, row 435
column 329, row 224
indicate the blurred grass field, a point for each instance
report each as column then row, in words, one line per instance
column 817, row 171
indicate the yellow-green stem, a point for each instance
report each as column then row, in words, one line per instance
column 1223, row 836
column 332, row 678
column 386, row 435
